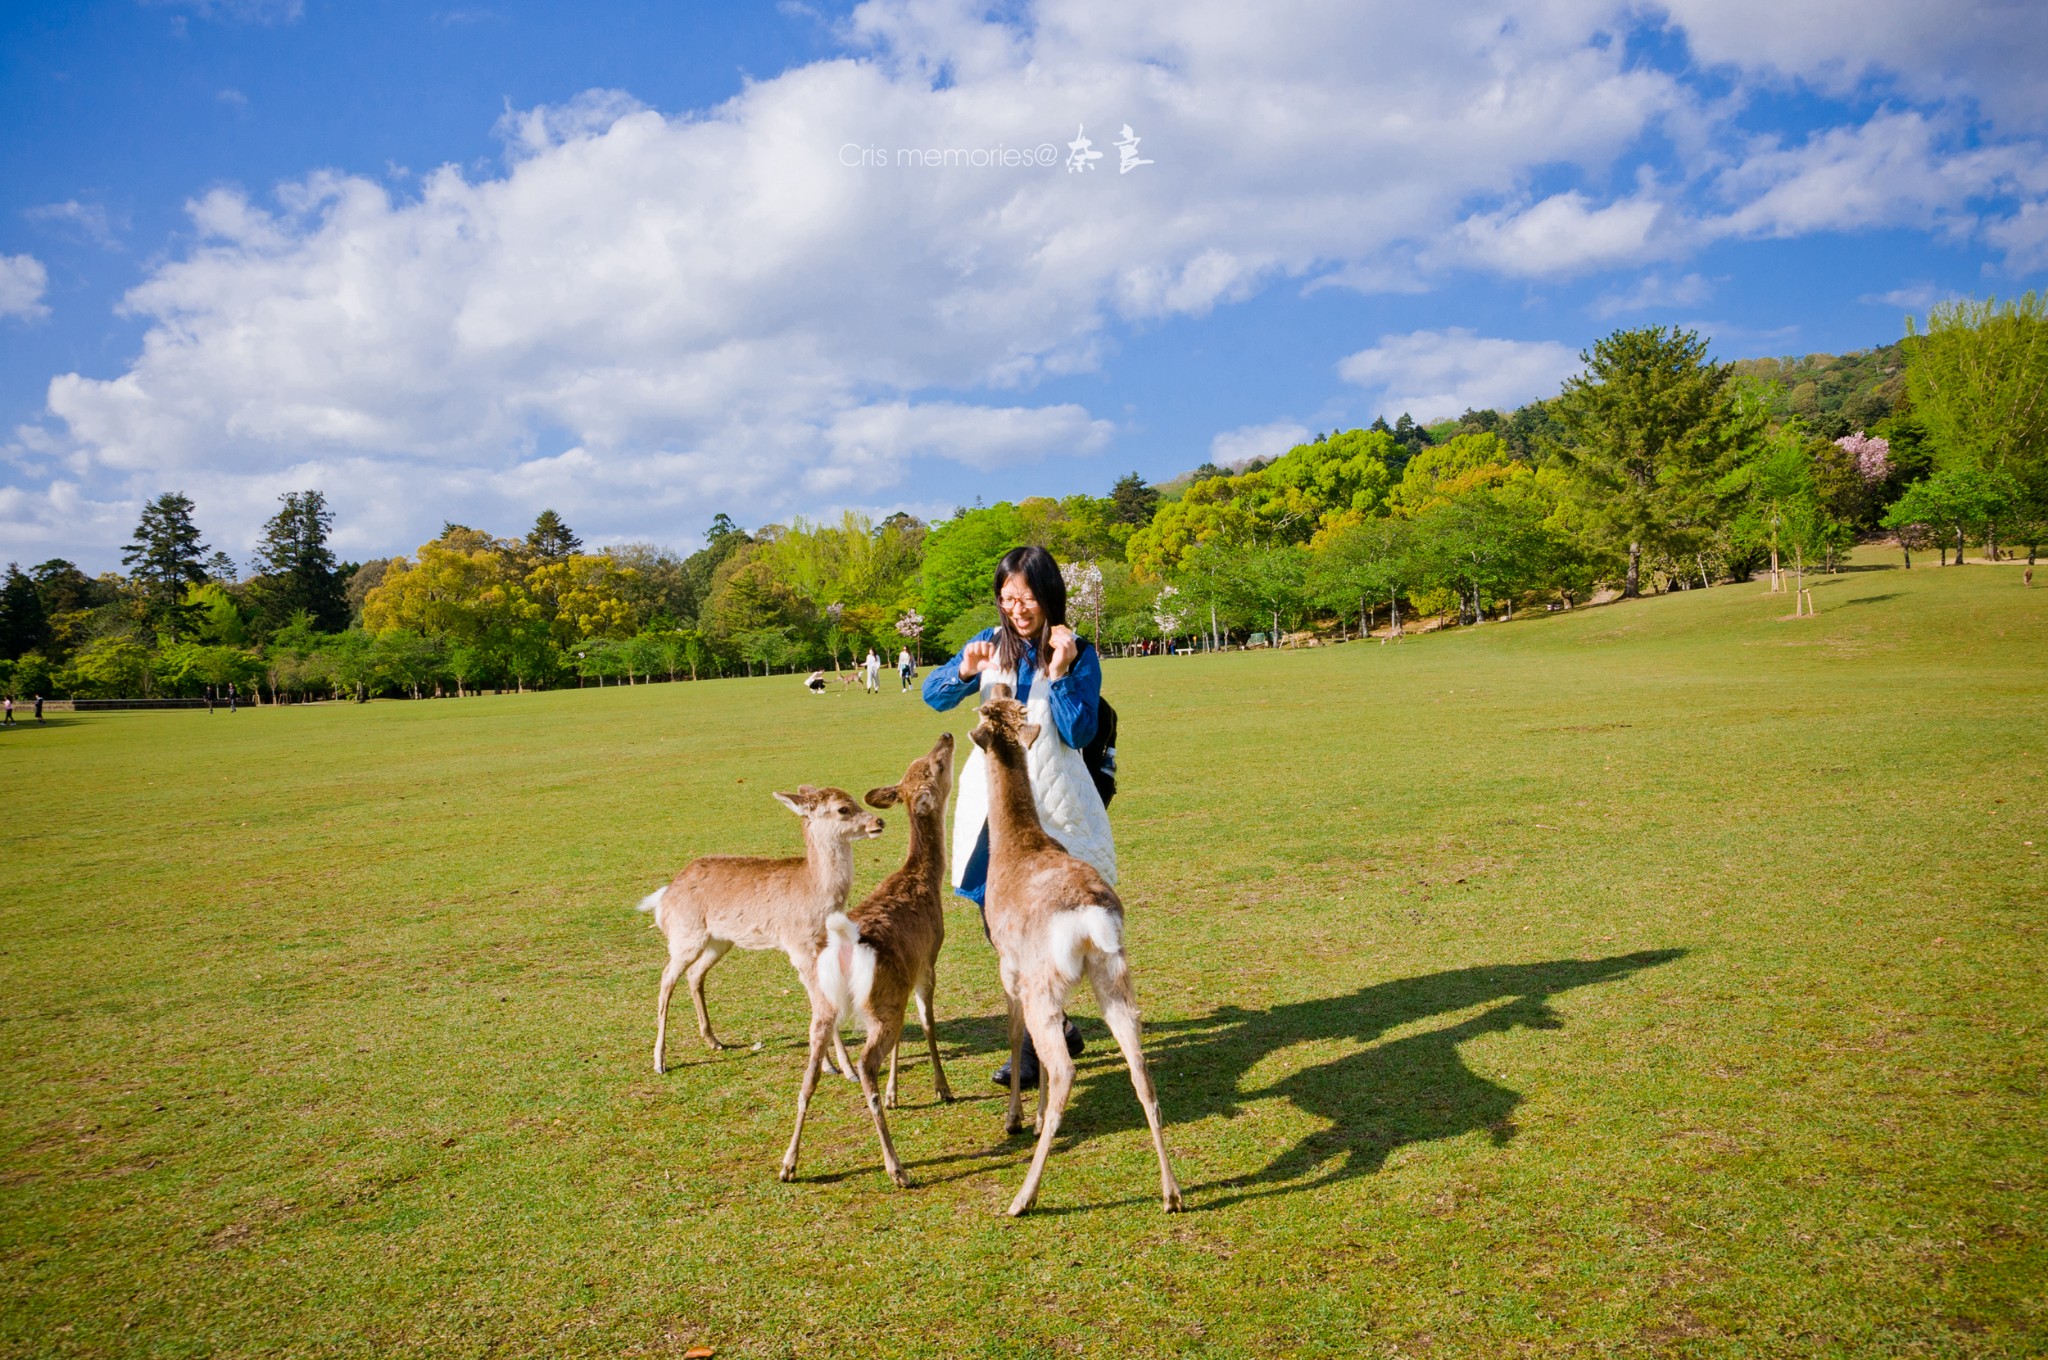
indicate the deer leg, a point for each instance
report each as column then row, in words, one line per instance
column 680, row 953
column 931, row 1032
column 894, row 1049
column 1112, row 981
column 806, row 966
column 821, row 1024
column 1013, row 1121
column 1057, row 1069
column 881, row 1039
column 714, row 950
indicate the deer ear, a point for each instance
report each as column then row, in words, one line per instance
column 1027, row 734
column 979, row 736
column 924, row 802
column 886, row 796
column 789, row 800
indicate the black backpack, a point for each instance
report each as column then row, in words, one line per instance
column 1099, row 755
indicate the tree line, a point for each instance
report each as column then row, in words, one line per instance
column 1653, row 469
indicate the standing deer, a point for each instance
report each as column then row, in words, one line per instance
column 724, row 900
column 884, row 952
column 1051, row 918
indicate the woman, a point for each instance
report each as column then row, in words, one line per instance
column 1059, row 676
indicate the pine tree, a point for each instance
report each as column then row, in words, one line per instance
column 164, row 558
column 552, row 540
column 1135, row 502
column 295, row 570
column 1646, row 427
column 24, row 627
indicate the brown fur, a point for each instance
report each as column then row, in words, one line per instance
column 722, row 901
column 1036, row 891
column 903, row 921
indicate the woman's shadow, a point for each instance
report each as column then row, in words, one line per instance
column 1413, row 1088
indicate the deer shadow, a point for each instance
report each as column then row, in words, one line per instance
column 1413, row 1088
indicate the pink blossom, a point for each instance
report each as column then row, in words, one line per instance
column 1871, row 452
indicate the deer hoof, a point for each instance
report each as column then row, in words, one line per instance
column 1021, row 1206
column 1173, row 1202
column 787, row 1174
column 902, row 1179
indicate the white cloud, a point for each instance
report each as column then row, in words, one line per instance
column 1234, row 447
column 1654, row 290
column 1895, row 170
column 22, row 280
column 87, row 221
column 1433, row 375
column 1565, row 234
column 2023, row 237
column 1989, row 51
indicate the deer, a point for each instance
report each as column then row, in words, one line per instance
column 720, row 901
column 1052, row 918
column 883, row 953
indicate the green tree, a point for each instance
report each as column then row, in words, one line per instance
column 1954, row 503
column 1364, row 563
column 1979, row 383
column 550, row 539
column 166, row 556
column 1273, row 581
column 295, row 569
column 24, row 625
column 110, row 668
column 1134, row 500
column 1648, row 428
column 960, row 556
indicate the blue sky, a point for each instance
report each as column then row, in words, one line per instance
column 644, row 263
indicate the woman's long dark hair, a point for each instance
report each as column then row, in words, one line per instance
column 1048, row 587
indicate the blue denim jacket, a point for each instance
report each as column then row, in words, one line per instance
column 1076, row 699
column 1075, row 695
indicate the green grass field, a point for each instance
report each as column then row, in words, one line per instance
column 1661, row 979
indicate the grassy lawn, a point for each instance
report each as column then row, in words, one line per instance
column 1665, row 978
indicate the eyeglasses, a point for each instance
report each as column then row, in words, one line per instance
column 1009, row 601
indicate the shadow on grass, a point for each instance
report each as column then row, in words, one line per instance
column 1873, row 599
column 1413, row 1088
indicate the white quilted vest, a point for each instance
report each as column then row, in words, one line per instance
column 1068, row 806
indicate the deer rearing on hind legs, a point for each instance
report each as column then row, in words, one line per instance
column 884, row 952
column 1052, row 919
column 724, row 900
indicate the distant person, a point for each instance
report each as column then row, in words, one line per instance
column 873, row 667
column 1033, row 643
column 905, row 668
column 8, row 704
column 209, row 700
column 816, row 682
column 39, row 708
column 232, row 696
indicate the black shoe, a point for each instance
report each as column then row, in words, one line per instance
column 1075, row 1045
column 1029, row 1071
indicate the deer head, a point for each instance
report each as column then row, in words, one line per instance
column 924, row 785
column 831, row 810
column 1002, row 723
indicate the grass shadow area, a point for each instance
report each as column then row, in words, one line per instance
column 1410, row 1088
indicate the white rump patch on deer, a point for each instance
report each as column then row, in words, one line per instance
column 1072, row 934
column 652, row 903
column 846, row 968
